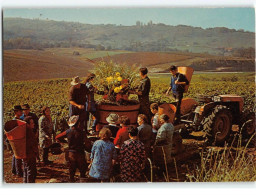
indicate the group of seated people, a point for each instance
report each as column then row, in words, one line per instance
column 118, row 143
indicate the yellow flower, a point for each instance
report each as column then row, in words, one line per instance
column 119, row 79
column 117, row 90
column 109, row 79
column 118, row 74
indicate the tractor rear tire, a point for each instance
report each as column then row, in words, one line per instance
column 247, row 125
column 217, row 125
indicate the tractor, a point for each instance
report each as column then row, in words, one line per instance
column 213, row 115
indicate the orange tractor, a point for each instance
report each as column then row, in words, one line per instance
column 214, row 115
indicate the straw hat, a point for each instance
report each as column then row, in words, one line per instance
column 76, row 80
column 112, row 118
column 72, row 120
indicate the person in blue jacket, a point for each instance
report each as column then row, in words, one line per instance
column 177, row 85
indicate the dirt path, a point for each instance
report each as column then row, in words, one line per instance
column 56, row 172
column 177, row 170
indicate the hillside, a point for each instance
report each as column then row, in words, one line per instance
column 33, row 65
column 151, row 37
column 61, row 63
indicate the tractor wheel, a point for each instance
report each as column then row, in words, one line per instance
column 218, row 124
column 247, row 125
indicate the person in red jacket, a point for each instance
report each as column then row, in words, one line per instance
column 122, row 134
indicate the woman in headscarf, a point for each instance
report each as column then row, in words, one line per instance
column 165, row 132
column 164, row 138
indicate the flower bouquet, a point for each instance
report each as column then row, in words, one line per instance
column 117, row 80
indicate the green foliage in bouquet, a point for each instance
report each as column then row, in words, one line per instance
column 116, row 79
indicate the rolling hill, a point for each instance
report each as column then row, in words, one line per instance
column 33, row 65
column 150, row 37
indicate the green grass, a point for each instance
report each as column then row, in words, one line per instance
column 101, row 54
column 85, row 53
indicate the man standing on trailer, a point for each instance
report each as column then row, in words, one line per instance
column 177, row 85
column 143, row 93
column 77, row 98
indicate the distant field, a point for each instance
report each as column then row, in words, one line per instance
column 61, row 63
column 102, row 54
column 84, row 53
column 150, row 59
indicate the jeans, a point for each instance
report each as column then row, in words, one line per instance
column 95, row 122
column 17, row 166
column 29, row 170
column 45, row 154
column 77, row 160
column 178, row 96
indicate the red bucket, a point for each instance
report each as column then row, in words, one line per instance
column 188, row 72
column 15, row 131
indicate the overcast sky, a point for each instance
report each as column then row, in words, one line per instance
column 234, row 18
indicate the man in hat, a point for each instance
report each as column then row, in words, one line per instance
column 77, row 98
column 112, row 120
column 17, row 112
column 177, row 85
column 26, row 113
column 76, row 147
column 17, row 163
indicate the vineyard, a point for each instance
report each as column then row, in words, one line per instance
column 54, row 92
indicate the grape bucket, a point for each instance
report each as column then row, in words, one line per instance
column 15, row 131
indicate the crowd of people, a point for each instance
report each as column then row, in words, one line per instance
column 119, row 143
